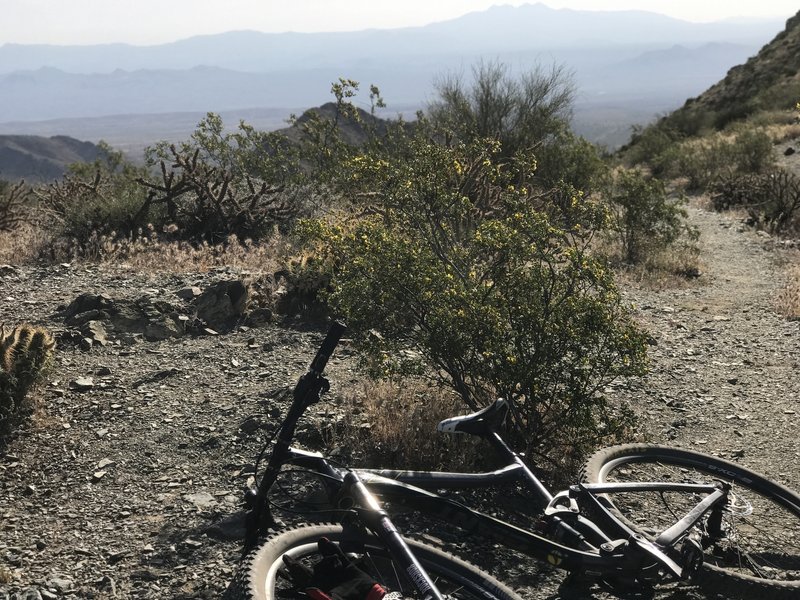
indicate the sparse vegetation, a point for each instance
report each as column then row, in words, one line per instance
column 460, row 246
column 96, row 198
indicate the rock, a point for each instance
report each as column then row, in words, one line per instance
column 105, row 463
column 201, row 500
column 98, row 475
column 59, row 584
column 260, row 317
column 231, row 528
column 96, row 332
column 251, row 425
column 85, row 303
column 170, row 326
column 789, row 151
column 6, row 270
column 223, row 304
column 82, row 384
column 188, row 293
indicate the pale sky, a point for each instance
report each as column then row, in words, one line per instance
column 158, row 21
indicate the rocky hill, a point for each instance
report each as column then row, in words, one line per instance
column 766, row 82
column 39, row 159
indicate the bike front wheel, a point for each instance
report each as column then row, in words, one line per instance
column 755, row 549
column 262, row 576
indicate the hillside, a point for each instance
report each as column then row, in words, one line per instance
column 768, row 81
column 38, row 159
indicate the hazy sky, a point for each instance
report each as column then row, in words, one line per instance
column 156, row 21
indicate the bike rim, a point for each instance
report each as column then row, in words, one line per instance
column 758, row 537
column 376, row 562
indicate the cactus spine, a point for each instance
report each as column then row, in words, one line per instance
column 25, row 350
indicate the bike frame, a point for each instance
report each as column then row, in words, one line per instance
column 602, row 546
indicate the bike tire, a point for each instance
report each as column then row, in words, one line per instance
column 748, row 561
column 258, row 574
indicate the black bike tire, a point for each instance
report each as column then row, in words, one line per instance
column 250, row 580
column 711, row 576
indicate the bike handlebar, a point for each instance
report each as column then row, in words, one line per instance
column 335, row 332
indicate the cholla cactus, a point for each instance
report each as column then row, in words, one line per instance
column 25, row 350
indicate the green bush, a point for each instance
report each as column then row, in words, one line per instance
column 263, row 155
column 529, row 112
column 746, row 149
column 464, row 269
column 646, row 221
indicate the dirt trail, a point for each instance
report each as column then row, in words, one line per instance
column 725, row 365
column 108, row 494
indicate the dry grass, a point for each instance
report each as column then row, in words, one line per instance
column 787, row 302
column 393, row 425
column 784, row 132
column 672, row 269
column 147, row 251
column 22, row 245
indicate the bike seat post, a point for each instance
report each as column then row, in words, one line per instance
column 544, row 495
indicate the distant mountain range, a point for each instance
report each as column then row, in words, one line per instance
column 39, row 159
column 628, row 67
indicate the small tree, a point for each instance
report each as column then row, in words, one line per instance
column 519, row 112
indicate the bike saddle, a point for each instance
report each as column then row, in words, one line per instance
column 477, row 423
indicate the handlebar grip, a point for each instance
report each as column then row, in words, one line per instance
column 335, row 332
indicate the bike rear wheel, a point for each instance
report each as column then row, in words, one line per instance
column 260, row 576
column 756, row 549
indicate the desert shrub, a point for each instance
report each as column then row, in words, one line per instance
column 461, row 267
column 14, row 199
column 746, row 149
column 205, row 202
column 646, row 220
column 753, row 151
column 573, row 161
column 25, row 352
column 526, row 112
column 101, row 196
column 772, row 199
column 262, row 155
column 648, row 145
column 519, row 112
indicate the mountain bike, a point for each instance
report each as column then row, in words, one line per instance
column 639, row 515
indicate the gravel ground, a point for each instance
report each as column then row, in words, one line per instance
column 108, row 491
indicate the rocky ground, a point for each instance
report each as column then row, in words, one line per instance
column 142, row 443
